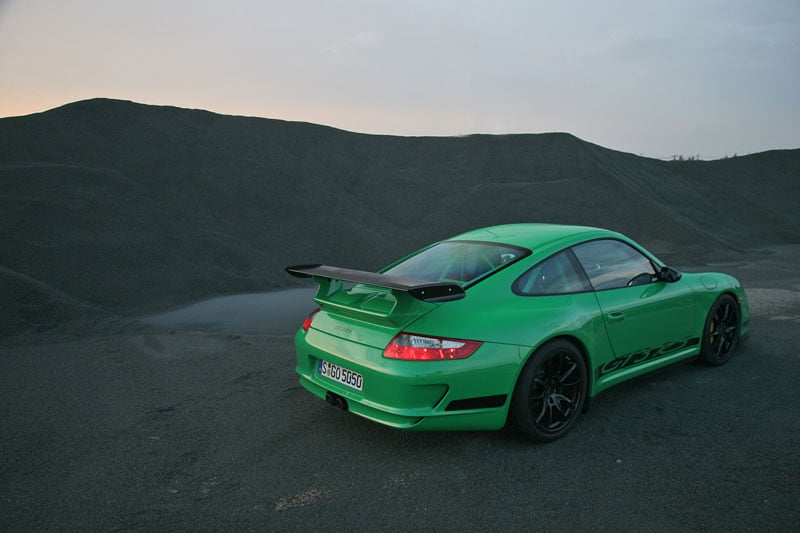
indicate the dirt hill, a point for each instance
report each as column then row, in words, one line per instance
column 128, row 208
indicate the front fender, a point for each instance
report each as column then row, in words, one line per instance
column 708, row 286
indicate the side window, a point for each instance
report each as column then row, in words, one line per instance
column 613, row 264
column 555, row 275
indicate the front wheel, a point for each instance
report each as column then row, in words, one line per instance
column 550, row 392
column 721, row 332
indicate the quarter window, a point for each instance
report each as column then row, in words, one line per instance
column 613, row 264
column 556, row 275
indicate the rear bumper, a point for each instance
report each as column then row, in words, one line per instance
column 467, row 394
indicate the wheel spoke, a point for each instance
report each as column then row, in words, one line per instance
column 539, row 389
column 575, row 380
column 542, row 412
column 552, row 420
column 712, row 331
column 559, row 400
column 719, row 347
column 563, row 377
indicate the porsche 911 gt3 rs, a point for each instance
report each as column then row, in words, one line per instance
column 520, row 323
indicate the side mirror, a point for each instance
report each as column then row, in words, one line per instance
column 670, row 275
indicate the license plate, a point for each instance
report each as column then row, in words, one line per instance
column 340, row 375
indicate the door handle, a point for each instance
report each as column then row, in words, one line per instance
column 616, row 316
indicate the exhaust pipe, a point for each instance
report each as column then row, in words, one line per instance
column 334, row 400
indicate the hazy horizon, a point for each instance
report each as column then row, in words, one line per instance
column 656, row 79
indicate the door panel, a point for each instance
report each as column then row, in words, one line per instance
column 649, row 322
column 648, row 316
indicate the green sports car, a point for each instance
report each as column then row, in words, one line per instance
column 520, row 323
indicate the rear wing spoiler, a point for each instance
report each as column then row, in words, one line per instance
column 427, row 291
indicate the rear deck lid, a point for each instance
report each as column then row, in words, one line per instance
column 371, row 308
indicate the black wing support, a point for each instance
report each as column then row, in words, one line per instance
column 427, row 291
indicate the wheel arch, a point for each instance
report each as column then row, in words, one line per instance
column 736, row 300
column 581, row 346
column 705, row 306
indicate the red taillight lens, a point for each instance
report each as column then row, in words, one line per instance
column 411, row 347
column 309, row 319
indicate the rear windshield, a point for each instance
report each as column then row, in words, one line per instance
column 461, row 262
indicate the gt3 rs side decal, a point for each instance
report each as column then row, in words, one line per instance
column 643, row 355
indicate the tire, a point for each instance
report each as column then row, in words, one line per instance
column 721, row 331
column 550, row 392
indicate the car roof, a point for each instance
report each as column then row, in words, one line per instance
column 535, row 236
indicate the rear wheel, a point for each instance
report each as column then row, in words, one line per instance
column 721, row 332
column 550, row 392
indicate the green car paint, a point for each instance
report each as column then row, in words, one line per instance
column 622, row 332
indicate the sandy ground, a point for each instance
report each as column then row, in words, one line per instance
column 142, row 428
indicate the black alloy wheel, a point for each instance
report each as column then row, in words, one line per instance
column 721, row 332
column 550, row 392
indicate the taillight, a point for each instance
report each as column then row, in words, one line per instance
column 411, row 347
column 309, row 319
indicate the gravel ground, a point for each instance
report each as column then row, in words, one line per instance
column 141, row 428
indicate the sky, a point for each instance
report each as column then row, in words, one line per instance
column 656, row 78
